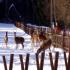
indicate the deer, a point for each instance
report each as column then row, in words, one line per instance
column 18, row 40
column 6, row 39
column 48, row 42
column 37, row 37
column 61, row 40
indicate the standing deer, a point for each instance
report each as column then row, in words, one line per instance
column 6, row 39
column 37, row 36
column 46, row 44
column 18, row 40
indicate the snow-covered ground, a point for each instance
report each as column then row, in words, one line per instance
column 28, row 48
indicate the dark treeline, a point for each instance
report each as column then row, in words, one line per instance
column 29, row 11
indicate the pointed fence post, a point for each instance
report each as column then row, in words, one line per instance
column 11, row 61
column 40, row 66
column 21, row 61
column 67, row 64
column 4, row 61
column 55, row 64
column 26, row 63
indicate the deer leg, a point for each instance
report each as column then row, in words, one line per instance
column 6, row 45
column 22, row 45
column 16, row 46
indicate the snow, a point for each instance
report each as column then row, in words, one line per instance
column 10, row 49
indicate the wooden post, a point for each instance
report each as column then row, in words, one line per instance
column 40, row 66
column 26, row 63
column 21, row 60
column 37, row 61
column 65, row 60
column 51, row 61
column 56, row 60
column 42, row 61
column 4, row 61
column 11, row 61
column 54, row 65
column 67, row 64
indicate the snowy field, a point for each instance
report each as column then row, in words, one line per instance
column 28, row 48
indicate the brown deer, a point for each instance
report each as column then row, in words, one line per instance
column 46, row 44
column 34, row 37
column 19, row 40
column 59, row 41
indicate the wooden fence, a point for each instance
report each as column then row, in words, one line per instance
column 39, row 64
